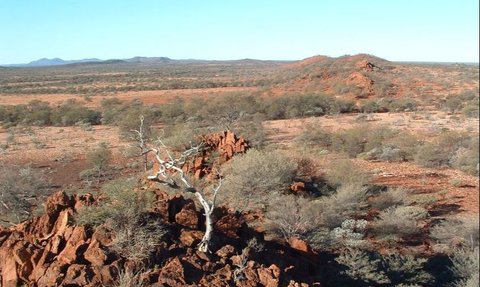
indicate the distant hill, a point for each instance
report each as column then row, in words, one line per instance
column 139, row 61
column 365, row 76
column 44, row 62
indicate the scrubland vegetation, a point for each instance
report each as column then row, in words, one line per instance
column 361, row 232
column 449, row 149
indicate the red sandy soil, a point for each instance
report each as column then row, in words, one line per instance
column 63, row 155
column 438, row 182
column 147, row 97
column 426, row 123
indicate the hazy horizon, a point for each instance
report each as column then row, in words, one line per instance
column 399, row 31
column 292, row 60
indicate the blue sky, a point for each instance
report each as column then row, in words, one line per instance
column 397, row 30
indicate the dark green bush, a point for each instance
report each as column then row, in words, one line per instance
column 72, row 112
column 372, row 269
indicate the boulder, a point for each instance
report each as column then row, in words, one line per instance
column 190, row 238
column 173, row 274
column 95, row 254
column 188, row 215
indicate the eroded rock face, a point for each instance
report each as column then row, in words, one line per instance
column 218, row 148
column 51, row 251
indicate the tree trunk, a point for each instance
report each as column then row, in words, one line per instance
column 205, row 243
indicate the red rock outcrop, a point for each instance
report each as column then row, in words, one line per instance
column 218, row 148
column 363, row 82
column 366, row 66
column 51, row 250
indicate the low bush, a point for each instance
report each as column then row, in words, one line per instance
column 349, row 200
column 98, row 160
column 390, row 198
column 179, row 137
column 345, row 172
column 465, row 266
column 351, row 234
column 289, row 216
column 454, row 233
column 467, row 158
column 124, row 212
column 72, row 112
column 313, row 136
column 372, row 269
column 450, row 149
column 20, row 190
column 254, row 176
column 396, row 223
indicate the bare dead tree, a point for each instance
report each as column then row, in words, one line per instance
column 169, row 167
column 141, row 138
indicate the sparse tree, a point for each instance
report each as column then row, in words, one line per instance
column 99, row 159
column 170, row 166
column 140, row 136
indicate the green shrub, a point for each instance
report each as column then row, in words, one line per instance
column 328, row 213
column 251, row 128
column 254, row 176
column 99, row 158
column 371, row 106
column 467, row 158
column 392, row 226
column 20, row 190
column 465, row 266
column 313, row 136
column 123, row 211
column 411, row 212
column 345, row 172
column 352, row 141
column 289, row 216
column 371, row 269
column 403, row 105
column 230, row 109
column 173, row 111
column 179, row 137
column 446, row 150
column 362, row 267
column 72, row 112
column 430, row 155
column 453, row 103
column 406, row 143
column 390, row 198
column 406, row 270
column 348, row 201
column 39, row 113
column 453, row 233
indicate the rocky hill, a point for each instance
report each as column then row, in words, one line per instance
column 365, row 76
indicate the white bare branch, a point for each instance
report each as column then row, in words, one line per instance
column 170, row 166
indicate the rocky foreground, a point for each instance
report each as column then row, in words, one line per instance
column 51, row 250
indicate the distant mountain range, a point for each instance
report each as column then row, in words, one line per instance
column 53, row 62
column 44, row 62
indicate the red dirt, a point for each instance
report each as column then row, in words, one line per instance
column 438, row 182
column 147, row 97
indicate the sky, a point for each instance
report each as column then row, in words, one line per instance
column 397, row 30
